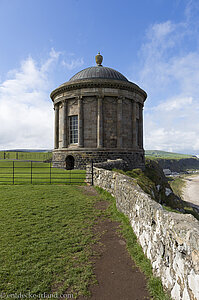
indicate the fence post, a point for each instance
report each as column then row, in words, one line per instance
column 31, row 172
column 13, row 172
column 91, row 172
column 16, row 155
column 4, row 155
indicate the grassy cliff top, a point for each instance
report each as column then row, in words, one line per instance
column 154, row 154
column 153, row 182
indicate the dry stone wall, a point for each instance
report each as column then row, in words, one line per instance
column 170, row 240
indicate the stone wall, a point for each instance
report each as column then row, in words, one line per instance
column 169, row 240
column 85, row 156
column 113, row 164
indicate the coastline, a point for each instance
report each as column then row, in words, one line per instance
column 191, row 190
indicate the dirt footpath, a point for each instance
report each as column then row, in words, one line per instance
column 118, row 277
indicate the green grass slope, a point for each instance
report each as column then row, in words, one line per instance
column 153, row 182
column 154, row 154
column 174, row 161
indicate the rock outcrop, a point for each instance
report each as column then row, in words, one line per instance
column 179, row 165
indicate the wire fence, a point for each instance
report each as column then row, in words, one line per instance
column 23, row 172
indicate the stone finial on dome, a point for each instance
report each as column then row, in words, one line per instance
column 99, row 59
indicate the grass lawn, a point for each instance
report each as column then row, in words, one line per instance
column 45, row 239
column 41, row 173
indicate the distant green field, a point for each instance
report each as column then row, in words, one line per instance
column 154, row 154
column 18, row 172
column 40, row 156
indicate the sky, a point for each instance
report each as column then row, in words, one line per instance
column 154, row 43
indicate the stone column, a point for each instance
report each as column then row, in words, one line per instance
column 119, row 122
column 80, row 122
column 56, row 141
column 99, row 123
column 140, row 125
column 65, row 125
column 134, row 138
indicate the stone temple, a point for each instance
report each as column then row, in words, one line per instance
column 98, row 116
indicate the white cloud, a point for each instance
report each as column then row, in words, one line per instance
column 173, row 124
column 53, row 57
column 73, row 63
column 161, row 54
column 192, row 11
column 174, row 104
column 26, row 112
column 172, row 140
column 185, row 70
column 170, row 75
column 160, row 31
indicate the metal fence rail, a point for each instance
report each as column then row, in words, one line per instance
column 23, row 172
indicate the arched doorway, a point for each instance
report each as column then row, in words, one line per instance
column 70, row 161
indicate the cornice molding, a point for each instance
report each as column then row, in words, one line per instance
column 98, row 83
column 100, row 150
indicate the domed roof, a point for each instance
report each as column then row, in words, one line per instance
column 98, row 72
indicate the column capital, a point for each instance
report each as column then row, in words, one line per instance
column 120, row 99
column 80, row 97
column 56, row 106
column 100, row 97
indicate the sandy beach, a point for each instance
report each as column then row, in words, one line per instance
column 191, row 190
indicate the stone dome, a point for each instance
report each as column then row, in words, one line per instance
column 98, row 72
